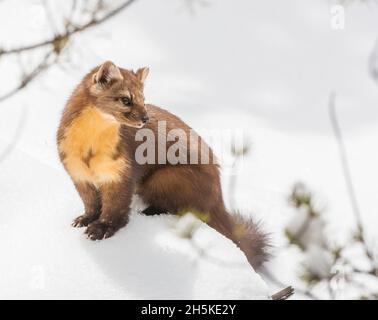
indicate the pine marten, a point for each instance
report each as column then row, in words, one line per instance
column 97, row 145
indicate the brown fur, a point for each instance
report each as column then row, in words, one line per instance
column 96, row 142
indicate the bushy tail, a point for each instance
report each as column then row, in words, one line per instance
column 245, row 233
column 249, row 237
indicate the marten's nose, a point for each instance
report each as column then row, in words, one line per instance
column 145, row 119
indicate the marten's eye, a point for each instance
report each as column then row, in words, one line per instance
column 126, row 101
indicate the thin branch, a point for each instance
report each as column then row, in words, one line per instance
column 284, row 294
column 42, row 66
column 58, row 43
column 76, row 29
column 371, row 272
column 238, row 153
column 272, row 278
column 347, row 173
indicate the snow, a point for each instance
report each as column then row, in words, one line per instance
column 44, row 257
column 266, row 68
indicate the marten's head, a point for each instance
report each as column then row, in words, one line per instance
column 118, row 93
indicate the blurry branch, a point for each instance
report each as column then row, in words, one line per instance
column 46, row 62
column 324, row 264
column 306, row 231
column 71, row 28
column 348, row 177
column 238, row 153
column 343, row 158
column 284, row 294
column 272, row 278
column 56, row 44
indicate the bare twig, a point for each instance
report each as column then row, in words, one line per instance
column 284, row 294
column 347, row 173
column 238, row 154
column 58, row 43
column 25, row 81
column 69, row 32
column 272, row 278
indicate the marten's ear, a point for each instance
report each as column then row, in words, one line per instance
column 142, row 74
column 107, row 74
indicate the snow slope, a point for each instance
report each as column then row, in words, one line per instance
column 44, row 257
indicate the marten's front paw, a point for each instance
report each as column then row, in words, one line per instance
column 99, row 230
column 83, row 220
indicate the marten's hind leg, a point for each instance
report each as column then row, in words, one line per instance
column 177, row 189
column 181, row 189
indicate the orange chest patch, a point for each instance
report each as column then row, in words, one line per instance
column 90, row 145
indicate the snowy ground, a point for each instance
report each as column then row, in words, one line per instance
column 44, row 257
column 265, row 67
